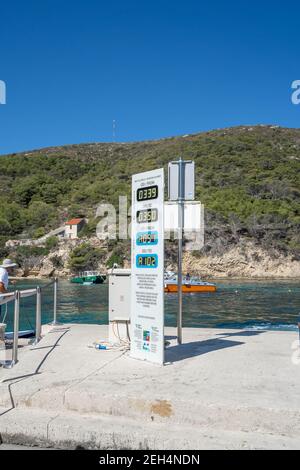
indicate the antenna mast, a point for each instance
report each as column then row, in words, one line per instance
column 114, row 129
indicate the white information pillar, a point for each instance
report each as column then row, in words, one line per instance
column 147, row 267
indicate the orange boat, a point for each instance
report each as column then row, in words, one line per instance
column 189, row 285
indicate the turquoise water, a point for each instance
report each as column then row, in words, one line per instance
column 237, row 304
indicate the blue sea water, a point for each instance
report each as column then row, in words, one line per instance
column 236, row 304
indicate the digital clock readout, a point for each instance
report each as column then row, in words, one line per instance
column 147, row 238
column 145, row 194
column 147, row 216
column 146, row 261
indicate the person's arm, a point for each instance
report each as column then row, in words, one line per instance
column 2, row 288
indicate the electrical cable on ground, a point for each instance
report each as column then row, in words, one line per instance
column 123, row 345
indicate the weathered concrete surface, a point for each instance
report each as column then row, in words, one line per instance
column 220, row 389
column 6, row 351
column 17, row 447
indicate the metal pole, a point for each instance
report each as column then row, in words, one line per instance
column 16, row 329
column 38, row 317
column 55, row 322
column 180, row 236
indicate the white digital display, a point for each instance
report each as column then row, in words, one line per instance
column 147, row 267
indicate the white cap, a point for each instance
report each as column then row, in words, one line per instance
column 7, row 263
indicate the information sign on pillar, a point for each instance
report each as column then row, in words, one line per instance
column 147, row 267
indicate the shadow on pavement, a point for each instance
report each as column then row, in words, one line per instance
column 246, row 333
column 197, row 348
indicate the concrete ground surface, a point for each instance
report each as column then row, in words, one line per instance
column 16, row 447
column 221, row 389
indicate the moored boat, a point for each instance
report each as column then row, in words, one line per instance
column 88, row 278
column 189, row 284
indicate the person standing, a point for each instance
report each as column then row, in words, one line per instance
column 6, row 268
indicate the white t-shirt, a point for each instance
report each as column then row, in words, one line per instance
column 4, row 277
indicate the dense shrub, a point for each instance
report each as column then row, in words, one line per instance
column 51, row 243
column 57, row 261
column 29, row 256
column 115, row 259
column 85, row 257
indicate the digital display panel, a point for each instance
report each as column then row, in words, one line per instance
column 145, row 194
column 147, row 216
column 146, row 261
column 147, row 266
column 147, row 238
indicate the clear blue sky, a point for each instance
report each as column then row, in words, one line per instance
column 159, row 68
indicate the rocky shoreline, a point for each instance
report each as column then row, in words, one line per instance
column 244, row 260
column 214, row 278
column 230, row 266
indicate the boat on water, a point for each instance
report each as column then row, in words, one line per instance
column 88, row 278
column 189, row 284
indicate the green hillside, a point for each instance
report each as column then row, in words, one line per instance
column 247, row 177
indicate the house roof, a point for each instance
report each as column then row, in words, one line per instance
column 74, row 221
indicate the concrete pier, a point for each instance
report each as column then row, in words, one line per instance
column 221, row 389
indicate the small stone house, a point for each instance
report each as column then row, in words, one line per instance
column 73, row 227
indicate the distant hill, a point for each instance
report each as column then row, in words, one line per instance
column 247, row 177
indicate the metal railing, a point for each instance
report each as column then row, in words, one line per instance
column 16, row 297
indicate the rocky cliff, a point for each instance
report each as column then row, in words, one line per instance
column 245, row 260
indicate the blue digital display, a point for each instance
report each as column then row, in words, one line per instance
column 147, row 238
column 146, row 261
